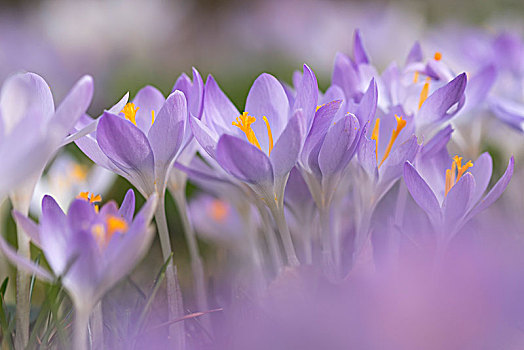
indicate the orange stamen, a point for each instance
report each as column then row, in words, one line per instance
column 401, row 123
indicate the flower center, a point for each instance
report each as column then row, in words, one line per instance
column 401, row 123
column 244, row 121
column 454, row 174
column 219, row 210
column 425, row 89
column 130, row 110
column 104, row 232
column 91, row 198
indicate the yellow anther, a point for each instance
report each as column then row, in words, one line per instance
column 269, row 135
column 401, row 123
column 415, row 77
column 374, row 136
column 152, row 117
column 424, row 93
column 99, row 232
column 218, row 210
column 454, row 174
column 91, row 198
column 129, row 111
column 115, row 224
column 437, row 56
column 78, row 172
column 318, row 107
column 244, row 121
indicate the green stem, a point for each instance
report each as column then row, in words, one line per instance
column 174, row 296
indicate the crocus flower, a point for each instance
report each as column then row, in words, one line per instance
column 260, row 154
column 31, row 129
column 66, row 178
column 89, row 248
column 141, row 142
column 451, row 192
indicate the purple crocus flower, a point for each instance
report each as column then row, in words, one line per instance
column 89, row 248
column 30, row 127
column 451, row 192
column 142, row 141
column 261, row 145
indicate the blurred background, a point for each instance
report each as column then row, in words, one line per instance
column 126, row 44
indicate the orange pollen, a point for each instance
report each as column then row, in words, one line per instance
column 401, row 123
column 318, row 107
column 115, row 224
column 91, row 198
column 454, row 174
column 219, row 210
column 129, row 111
column 437, row 56
column 424, row 93
column 415, row 77
column 374, row 136
column 244, row 121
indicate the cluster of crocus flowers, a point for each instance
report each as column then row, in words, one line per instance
column 334, row 180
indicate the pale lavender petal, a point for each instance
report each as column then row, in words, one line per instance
column 23, row 263
column 127, row 209
column 206, row 137
column 336, row 149
column 436, row 107
column 367, row 157
column 165, row 135
column 437, row 142
column 495, row 192
column 287, row 148
column 457, row 202
column 72, row 107
column 415, row 54
column 54, row 235
column 307, row 95
column 359, row 52
column 28, row 225
column 481, row 171
column 391, row 169
column 479, row 86
column 80, row 215
column 244, row 161
column 126, row 146
column 367, row 107
column 194, row 91
column 510, row 112
column 267, row 98
column 147, row 99
column 218, row 109
column 345, row 76
column 421, row 192
column 22, row 95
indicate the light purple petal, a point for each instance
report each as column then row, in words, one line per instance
column 73, row 106
column 285, row 153
column 359, row 52
column 54, row 235
column 495, row 192
column 193, row 90
column 148, row 99
column 335, row 153
column 510, row 112
column 479, row 86
column 23, row 263
column 243, row 160
column 415, row 54
column 481, row 171
column 367, row 157
column 421, row 192
column 127, row 146
column 127, row 209
column 345, row 76
column 435, row 108
column 206, row 137
column 366, row 109
column 307, row 95
column 29, row 227
column 218, row 109
column 457, row 203
column 165, row 135
column 267, row 98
